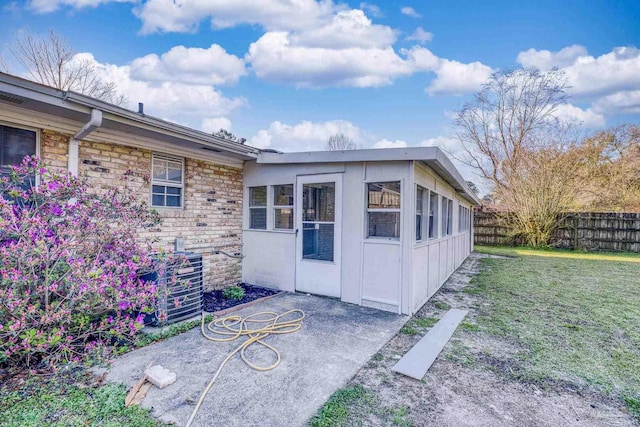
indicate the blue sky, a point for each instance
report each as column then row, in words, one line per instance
column 288, row 74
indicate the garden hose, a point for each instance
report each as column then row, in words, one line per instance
column 232, row 327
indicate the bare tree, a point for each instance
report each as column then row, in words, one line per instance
column 4, row 65
column 340, row 141
column 511, row 134
column 51, row 61
column 225, row 134
column 513, row 114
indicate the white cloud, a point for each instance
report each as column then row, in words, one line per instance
column 385, row 143
column 409, row 11
column 420, row 36
column 273, row 15
column 587, row 118
column 452, row 77
column 608, row 73
column 214, row 124
column 372, row 10
column 347, row 29
column 591, row 76
column 305, row 136
column 180, row 102
column 273, row 57
column 611, row 82
column 457, row 78
column 445, row 143
column 212, row 66
column 627, row 102
column 545, row 59
column 46, row 6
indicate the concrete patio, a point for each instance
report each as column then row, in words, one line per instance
column 336, row 339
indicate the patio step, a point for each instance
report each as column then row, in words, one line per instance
column 421, row 356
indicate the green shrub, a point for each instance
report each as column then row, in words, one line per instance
column 233, row 292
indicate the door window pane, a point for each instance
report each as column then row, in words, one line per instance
column 318, row 202
column 317, row 241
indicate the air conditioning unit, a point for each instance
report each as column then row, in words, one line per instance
column 180, row 286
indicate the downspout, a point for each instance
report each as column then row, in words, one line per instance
column 74, row 143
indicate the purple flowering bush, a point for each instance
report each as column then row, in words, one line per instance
column 70, row 267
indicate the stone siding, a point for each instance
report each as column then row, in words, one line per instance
column 210, row 220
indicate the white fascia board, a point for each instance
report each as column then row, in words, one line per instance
column 434, row 157
column 369, row 155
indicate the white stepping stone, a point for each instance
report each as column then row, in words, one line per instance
column 421, row 356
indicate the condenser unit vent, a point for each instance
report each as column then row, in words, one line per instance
column 181, row 287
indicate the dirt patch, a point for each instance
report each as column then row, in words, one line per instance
column 475, row 381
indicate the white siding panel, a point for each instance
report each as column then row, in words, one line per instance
column 269, row 259
column 381, row 273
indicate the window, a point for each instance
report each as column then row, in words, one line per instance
column 258, row 208
column 422, row 202
column 283, row 207
column 15, row 144
column 447, row 216
column 383, row 209
column 433, row 215
column 450, row 217
column 464, row 220
column 443, row 217
column 167, row 181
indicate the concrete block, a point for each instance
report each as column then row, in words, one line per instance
column 159, row 376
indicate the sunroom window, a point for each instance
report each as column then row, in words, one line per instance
column 433, row 215
column 258, row 208
column 283, row 207
column 383, row 209
column 422, row 203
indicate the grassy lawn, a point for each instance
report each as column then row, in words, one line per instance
column 549, row 320
column 577, row 316
column 54, row 403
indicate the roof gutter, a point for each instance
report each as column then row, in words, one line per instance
column 119, row 113
column 74, row 143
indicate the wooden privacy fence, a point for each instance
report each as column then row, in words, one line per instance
column 578, row 230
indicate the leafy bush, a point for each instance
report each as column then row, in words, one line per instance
column 233, row 292
column 70, row 266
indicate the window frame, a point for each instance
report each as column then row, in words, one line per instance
column 167, row 183
column 424, row 214
column 369, row 210
column 265, row 207
column 449, row 217
column 275, row 207
column 38, row 152
column 435, row 197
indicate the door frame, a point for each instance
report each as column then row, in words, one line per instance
column 312, row 274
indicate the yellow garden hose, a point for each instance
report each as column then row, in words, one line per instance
column 232, row 327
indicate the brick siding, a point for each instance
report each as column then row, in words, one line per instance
column 212, row 215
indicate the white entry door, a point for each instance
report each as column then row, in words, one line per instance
column 318, row 233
